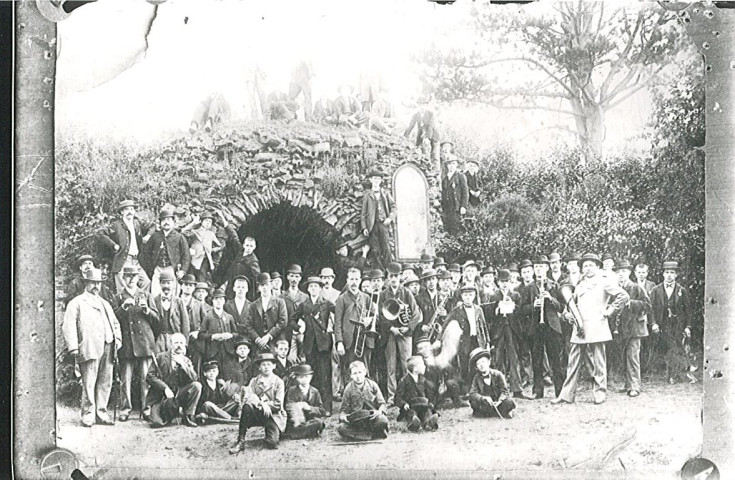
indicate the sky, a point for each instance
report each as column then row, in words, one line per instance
column 196, row 47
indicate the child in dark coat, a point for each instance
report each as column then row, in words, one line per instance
column 411, row 397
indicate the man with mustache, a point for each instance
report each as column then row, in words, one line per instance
column 93, row 336
column 174, row 317
column 167, row 251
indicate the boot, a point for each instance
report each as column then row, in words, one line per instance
column 414, row 424
column 239, row 446
column 432, row 423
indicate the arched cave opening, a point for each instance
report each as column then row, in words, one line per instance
column 286, row 234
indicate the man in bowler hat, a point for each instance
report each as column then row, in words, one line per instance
column 378, row 212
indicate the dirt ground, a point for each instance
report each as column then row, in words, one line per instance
column 650, row 436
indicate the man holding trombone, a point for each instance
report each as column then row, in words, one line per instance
column 591, row 306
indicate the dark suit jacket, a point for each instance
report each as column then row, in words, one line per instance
column 633, row 317
column 473, row 183
column 408, row 389
column 161, row 375
column 292, row 301
column 648, row 287
column 283, row 370
column 272, row 321
column 460, row 316
column 316, row 317
column 214, row 324
column 176, row 246
column 231, row 308
column 138, row 337
column 455, row 194
column 681, row 310
column 312, row 397
column 552, row 307
column 241, row 265
column 498, row 321
column 369, row 212
column 497, row 390
column 118, row 234
column 239, row 372
column 178, row 318
column 217, row 395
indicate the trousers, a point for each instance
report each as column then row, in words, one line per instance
column 379, row 242
column 506, row 358
column 306, row 430
column 632, row 363
column 400, row 345
column 548, row 339
column 140, row 366
column 594, row 353
column 96, row 386
column 482, row 407
column 254, row 417
column 321, row 362
column 337, row 384
column 228, row 411
column 188, row 397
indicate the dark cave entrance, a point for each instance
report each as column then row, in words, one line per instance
column 286, row 234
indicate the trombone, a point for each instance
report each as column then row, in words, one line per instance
column 366, row 324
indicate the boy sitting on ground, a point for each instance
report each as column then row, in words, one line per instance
column 411, row 397
column 363, row 407
column 219, row 400
column 489, row 394
column 303, row 406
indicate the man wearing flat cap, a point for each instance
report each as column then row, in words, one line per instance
column 455, row 197
column 166, row 251
column 126, row 237
column 672, row 316
column 139, row 320
column 92, row 334
column 377, row 213
column 598, row 297
column 76, row 285
column 267, row 317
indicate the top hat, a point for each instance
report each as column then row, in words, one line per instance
column 219, row 293
column 92, row 275
column 468, row 287
column 205, row 216
column 302, row 369
column 375, row 172
column 311, row 280
column 503, row 275
column 189, row 279
column 439, row 262
column 126, row 204
column 326, row 272
column 444, row 275
column 525, row 263
column 428, row 273
column 489, row 270
column 241, row 277
column 166, row 276
column 294, row 269
column 670, row 265
column 243, row 341
column 607, row 256
column 623, row 264
column 264, row 357
column 394, row 268
column 554, row 257
column 264, row 278
column 470, row 263
column 202, row 286
column 165, row 213
column 210, row 365
column 540, row 260
column 275, row 275
column 376, row 274
column 477, row 354
column 130, row 271
column 84, row 258
column 425, row 258
column 454, row 267
column 590, row 256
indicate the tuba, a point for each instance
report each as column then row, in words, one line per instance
column 396, row 310
column 366, row 325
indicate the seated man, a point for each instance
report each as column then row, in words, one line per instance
column 363, row 407
column 262, row 404
column 489, row 394
column 172, row 376
column 241, row 368
column 411, row 397
column 212, row 111
column 218, row 402
column 304, row 406
column 347, row 109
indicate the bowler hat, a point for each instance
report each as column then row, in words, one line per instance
column 670, row 265
column 412, row 278
column 623, row 264
column 210, row 365
column 84, row 258
column 189, row 279
column 503, row 275
column 302, row 369
column 554, row 257
column 425, row 258
column 590, row 256
column 470, row 263
column 264, row 278
column 165, row 213
column 454, row 267
column 525, row 263
column 488, row 271
column 326, row 272
column 275, row 275
column 219, row 293
column 439, row 262
column 468, row 161
column 311, row 280
column 202, row 286
column 294, row 269
column 264, row 357
column 243, row 341
column 468, row 287
column 444, row 275
column 376, row 274
column 513, row 267
column 241, row 277
column 375, row 172
column 126, row 204
column 394, row 268
column 92, row 275
column 607, row 256
column 477, row 354
column 205, row 216
column 541, row 259
column 166, row 276
column 129, row 271
column 428, row 273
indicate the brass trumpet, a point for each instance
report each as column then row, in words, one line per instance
column 394, row 309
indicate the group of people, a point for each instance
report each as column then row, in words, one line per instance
column 416, row 337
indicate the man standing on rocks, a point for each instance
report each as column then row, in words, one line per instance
column 378, row 212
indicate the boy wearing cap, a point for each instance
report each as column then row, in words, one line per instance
column 489, row 395
column 262, row 404
column 93, row 337
column 672, row 316
column 363, row 409
column 412, row 398
column 219, row 331
column 242, row 366
column 126, row 237
column 455, row 197
column 377, row 213
column 303, row 406
column 136, row 312
column 267, row 318
column 487, row 284
column 245, row 261
column 473, row 182
column 167, row 251
column 219, row 399
column 204, row 243
column 632, row 326
column 76, row 285
column 315, row 314
column 173, row 314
